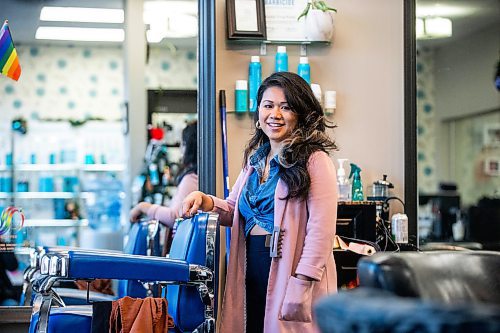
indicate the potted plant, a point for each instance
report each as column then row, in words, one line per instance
column 318, row 17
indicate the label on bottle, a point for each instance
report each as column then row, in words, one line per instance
column 240, row 100
column 254, row 81
column 281, row 62
column 304, row 71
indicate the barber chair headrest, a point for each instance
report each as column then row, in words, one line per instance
column 445, row 276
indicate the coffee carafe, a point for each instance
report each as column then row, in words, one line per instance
column 380, row 189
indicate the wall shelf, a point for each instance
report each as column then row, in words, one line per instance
column 45, row 195
column 66, row 167
column 55, row 223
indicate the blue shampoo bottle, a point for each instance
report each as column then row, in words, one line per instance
column 304, row 69
column 281, row 60
column 241, row 96
column 254, row 81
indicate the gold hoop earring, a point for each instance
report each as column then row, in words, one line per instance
column 257, row 125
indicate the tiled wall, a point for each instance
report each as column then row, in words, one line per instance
column 426, row 123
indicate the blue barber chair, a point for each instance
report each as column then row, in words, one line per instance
column 188, row 274
column 143, row 239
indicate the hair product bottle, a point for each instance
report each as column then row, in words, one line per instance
column 254, row 81
column 357, row 186
column 241, row 96
column 304, row 69
column 281, row 60
column 344, row 187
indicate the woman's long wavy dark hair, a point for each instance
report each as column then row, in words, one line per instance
column 308, row 137
column 190, row 157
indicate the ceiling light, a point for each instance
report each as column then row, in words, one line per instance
column 170, row 19
column 423, row 10
column 80, row 14
column 433, row 27
column 157, row 10
column 81, row 34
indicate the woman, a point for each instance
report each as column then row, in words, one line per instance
column 288, row 182
column 187, row 183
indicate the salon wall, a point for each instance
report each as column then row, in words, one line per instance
column 475, row 58
column 364, row 65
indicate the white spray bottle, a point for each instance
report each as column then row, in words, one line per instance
column 343, row 185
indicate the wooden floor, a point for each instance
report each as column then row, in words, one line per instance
column 15, row 319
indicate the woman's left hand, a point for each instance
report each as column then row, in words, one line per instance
column 140, row 209
column 297, row 305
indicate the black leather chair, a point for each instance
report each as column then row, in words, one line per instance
column 443, row 276
column 439, row 291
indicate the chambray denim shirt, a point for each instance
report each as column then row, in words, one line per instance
column 256, row 204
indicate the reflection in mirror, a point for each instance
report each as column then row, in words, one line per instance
column 71, row 96
column 458, row 122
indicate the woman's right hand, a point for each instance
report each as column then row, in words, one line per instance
column 196, row 201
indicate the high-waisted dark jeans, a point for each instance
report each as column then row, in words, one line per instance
column 257, row 275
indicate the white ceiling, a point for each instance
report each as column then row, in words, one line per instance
column 467, row 16
column 23, row 16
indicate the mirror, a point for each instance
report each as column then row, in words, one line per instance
column 71, row 95
column 458, row 122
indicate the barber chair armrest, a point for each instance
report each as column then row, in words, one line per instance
column 88, row 265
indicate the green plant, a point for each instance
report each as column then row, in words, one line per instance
column 316, row 4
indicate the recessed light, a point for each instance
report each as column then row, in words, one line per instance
column 81, row 14
column 81, row 34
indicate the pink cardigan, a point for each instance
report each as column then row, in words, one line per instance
column 307, row 249
column 167, row 215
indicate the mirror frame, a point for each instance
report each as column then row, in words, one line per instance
column 206, row 101
column 410, row 120
column 207, row 129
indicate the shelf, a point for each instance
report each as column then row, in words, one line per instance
column 55, row 223
column 45, row 167
column 276, row 42
column 103, row 167
column 87, row 194
column 65, row 167
column 45, row 195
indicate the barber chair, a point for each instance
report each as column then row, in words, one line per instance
column 444, row 276
column 188, row 274
column 438, row 291
column 143, row 239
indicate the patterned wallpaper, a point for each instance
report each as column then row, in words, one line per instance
column 79, row 82
column 468, row 149
column 426, row 123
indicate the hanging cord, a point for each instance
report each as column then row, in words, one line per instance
column 386, row 231
column 386, row 202
column 387, row 236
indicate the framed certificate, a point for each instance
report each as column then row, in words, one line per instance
column 246, row 19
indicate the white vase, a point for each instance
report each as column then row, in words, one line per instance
column 319, row 25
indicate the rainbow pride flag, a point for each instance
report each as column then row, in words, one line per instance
column 9, row 62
